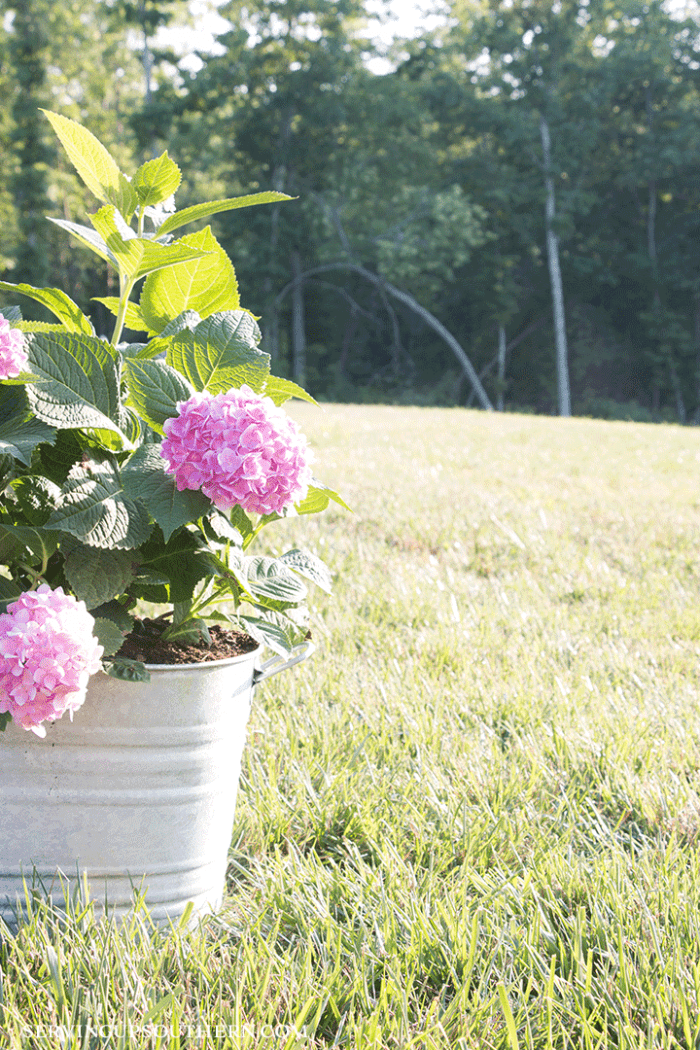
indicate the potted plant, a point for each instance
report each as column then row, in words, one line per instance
column 136, row 474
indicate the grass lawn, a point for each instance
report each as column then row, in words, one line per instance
column 472, row 820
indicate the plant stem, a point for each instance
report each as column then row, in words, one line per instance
column 125, row 286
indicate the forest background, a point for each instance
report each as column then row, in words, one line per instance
column 503, row 211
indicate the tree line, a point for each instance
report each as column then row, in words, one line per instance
column 504, row 214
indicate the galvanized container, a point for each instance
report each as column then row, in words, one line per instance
column 138, row 792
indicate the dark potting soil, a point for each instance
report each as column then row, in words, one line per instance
column 146, row 643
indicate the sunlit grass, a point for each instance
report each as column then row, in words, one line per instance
column 472, row 819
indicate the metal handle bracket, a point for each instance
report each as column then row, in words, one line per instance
column 278, row 663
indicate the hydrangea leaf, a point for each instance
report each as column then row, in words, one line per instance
column 75, row 381
column 20, row 430
column 203, row 211
column 187, row 319
column 96, row 575
column 154, row 390
column 34, row 540
column 241, row 522
column 190, row 632
column 60, row 305
column 136, row 256
column 221, row 353
column 108, row 635
column 318, row 498
column 126, row 670
column 144, row 479
column 272, row 629
column 281, row 390
column 95, row 509
column 310, row 566
column 95, row 165
column 36, row 497
column 181, row 561
column 88, row 238
column 116, row 614
column 205, row 285
column 134, row 318
column 156, row 180
column 269, row 578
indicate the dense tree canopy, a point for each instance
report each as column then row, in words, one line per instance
column 505, row 214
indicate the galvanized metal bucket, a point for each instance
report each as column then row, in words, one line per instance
column 137, row 793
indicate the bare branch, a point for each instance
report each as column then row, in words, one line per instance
column 414, row 305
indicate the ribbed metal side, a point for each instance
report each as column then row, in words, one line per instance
column 140, row 790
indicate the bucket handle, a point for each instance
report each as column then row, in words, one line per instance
column 278, row 663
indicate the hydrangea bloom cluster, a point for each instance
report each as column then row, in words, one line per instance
column 239, row 449
column 47, row 654
column 13, row 357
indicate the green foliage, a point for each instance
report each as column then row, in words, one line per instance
column 205, row 285
column 433, row 238
column 87, row 501
column 221, row 352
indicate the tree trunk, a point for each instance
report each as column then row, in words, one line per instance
column 501, row 366
column 298, row 322
column 563, row 388
column 414, row 305
column 28, row 183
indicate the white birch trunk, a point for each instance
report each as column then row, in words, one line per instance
column 501, row 366
column 298, row 321
column 562, row 354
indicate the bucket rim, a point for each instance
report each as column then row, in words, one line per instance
column 241, row 658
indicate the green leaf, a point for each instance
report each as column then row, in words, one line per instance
column 270, row 579
column 77, row 382
column 203, row 211
column 96, row 575
column 35, row 540
column 189, row 632
column 241, row 522
column 205, row 285
column 310, row 566
column 145, row 480
column 20, row 430
column 182, row 561
column 318, row 498
column 12, row 314
column 5, row 719
column 109, row 636
column 60, row 305
column 154, row 390
column 280, row 390
column 96, row 510
column 156, row 180
column 187, row 319
column 272, row 629
column 222, row 528
column 126, row 670
column 221, row 353
column 95, row 165
column 9, row 591
column 117, row 614
column 134, row 318
column 39, row 326
column 87, row 237
column 136, row 256
column 37, row 497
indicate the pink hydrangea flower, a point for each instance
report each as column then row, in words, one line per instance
column 47, row 654
column 13, row 357
column 239, row 449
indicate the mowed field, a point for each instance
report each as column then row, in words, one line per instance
column 472, row 819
